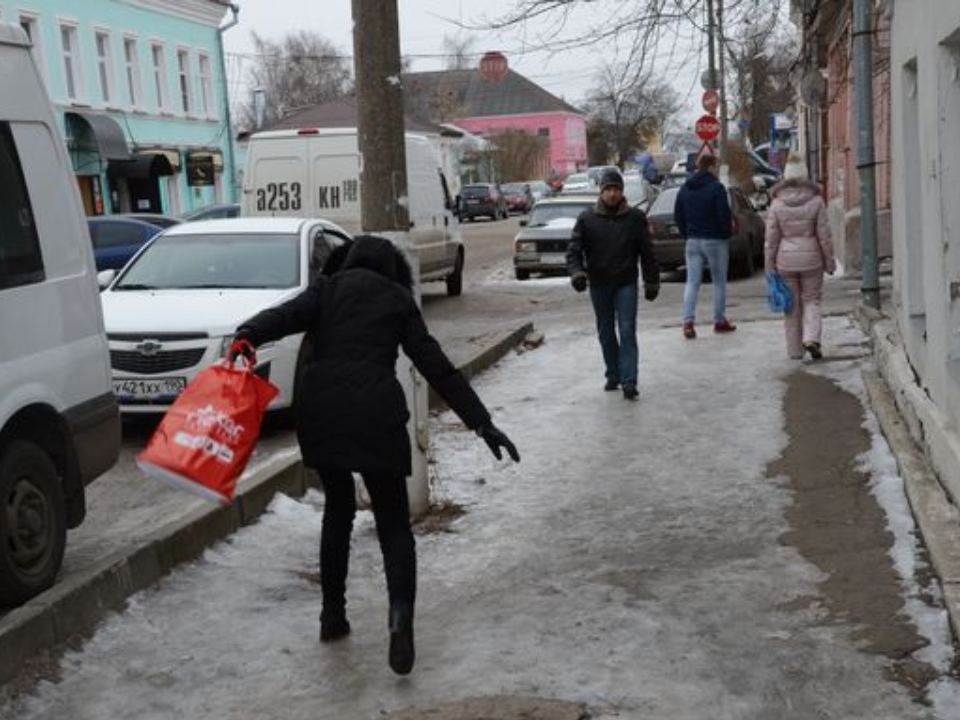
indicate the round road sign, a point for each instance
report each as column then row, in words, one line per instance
column 711, row 101
column 707, row 128
column 493, row 66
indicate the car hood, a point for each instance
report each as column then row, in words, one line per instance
column 216, row 312
column 559, row 228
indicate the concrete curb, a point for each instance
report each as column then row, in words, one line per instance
column 937, row 517
column 73, row 607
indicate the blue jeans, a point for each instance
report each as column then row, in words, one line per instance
column 615, row 307
column 717, row 254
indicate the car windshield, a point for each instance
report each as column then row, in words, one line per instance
column 216, row 261
column 514, row 189
column 577, row 178
column 476, row 191
column 543, row 214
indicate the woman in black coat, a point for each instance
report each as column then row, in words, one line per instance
column 353, row 416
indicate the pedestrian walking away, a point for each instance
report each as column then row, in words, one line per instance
column 799, row 247
column 704, row 220
column 352, row 415
column 606, row 244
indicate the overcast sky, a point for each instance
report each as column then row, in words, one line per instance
column 424, row 23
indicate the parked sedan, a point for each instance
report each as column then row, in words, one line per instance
column 747, row 233
column 117, row 239
column 541, row 244
column 519, row 197
column 483, row 200
column 213, row 212
column 174, row 309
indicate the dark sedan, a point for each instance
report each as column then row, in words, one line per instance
column 519, row 197
column 541, row 244
column 747, row 233
column 117, row 239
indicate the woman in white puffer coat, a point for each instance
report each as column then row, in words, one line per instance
column 798, row 246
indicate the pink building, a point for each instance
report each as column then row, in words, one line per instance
column 486, row 107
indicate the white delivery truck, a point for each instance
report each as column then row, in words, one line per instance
column 315, row 172
column 59, row 423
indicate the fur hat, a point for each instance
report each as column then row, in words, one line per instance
column 795, row 168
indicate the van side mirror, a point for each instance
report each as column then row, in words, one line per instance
column 105, row 277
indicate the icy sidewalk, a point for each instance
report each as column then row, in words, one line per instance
column 632, row 562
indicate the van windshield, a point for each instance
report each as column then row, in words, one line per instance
column 216, row 261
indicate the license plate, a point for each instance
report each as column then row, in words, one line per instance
column 473, row 201
column 154, row 388
column 673, row 230
column 553, row 259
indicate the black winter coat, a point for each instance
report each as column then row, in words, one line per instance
column 353, row 412
column 607, row 243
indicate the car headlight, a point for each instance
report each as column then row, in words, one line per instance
column 526, row 247
column 225, row 342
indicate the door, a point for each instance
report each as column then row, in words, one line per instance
column 144, row 195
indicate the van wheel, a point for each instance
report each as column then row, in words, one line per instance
column 522, row 274
column 455, row 279
column 33, row 522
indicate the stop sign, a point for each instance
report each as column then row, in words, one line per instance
column 493, row 66
column 707, row 128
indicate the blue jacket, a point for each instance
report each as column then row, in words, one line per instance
column 703, row 209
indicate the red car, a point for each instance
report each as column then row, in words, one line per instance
column 519, row 197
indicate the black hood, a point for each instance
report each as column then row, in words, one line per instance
column 700, row 180
column 381, row 256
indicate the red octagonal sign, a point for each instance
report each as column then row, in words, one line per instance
column 707, row 128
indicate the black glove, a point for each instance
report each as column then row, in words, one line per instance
column 495, row 439
column 579, row 282
column 650, row 292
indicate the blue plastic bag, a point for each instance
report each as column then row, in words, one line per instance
column 779, row 297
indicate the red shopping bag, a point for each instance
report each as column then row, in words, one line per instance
column 207, row 436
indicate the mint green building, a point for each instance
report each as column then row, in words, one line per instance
column 139, row 87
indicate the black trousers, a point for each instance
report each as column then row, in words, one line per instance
column 391, row 510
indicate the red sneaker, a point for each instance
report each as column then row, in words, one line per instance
column 689, row 332
column 724, row 326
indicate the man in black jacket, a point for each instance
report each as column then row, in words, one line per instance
column 606, row 243
column 352, row 416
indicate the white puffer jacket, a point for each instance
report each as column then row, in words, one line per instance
column 798, row 233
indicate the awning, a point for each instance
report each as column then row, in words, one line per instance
column 140, row 167
column 97, row 133
column 172, row 156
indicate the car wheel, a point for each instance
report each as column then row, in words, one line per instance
column 522, row 274
column 455, row 279
column 743, row 266
column 33, row 522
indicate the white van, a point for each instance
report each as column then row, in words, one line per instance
column 315, row 173
column 59, row 423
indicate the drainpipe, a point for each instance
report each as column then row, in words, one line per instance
column 866, row 165
column 231, row 158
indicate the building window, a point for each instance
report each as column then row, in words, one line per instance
column 159, row 76
column 104, row 66
column 131, row 64
column 72, row 75
column 21, row 262
column 183, row 77
column 543, row 132
column 31, row 26
column 206, row 86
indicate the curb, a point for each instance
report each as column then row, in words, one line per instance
column 41, row 629
column 937, row 517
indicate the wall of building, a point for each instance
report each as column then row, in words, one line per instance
column 102, row 31
column 925, row 102
column 567, row 133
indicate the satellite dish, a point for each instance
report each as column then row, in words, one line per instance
column 813, row 88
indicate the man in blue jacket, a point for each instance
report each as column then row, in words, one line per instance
column 704, row 219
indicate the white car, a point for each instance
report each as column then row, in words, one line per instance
column 578, row 183
column 175, row 307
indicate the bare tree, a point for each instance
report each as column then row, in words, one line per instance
column 300, row 70
column 626, row 112
column 519, row 155
column 458, row 52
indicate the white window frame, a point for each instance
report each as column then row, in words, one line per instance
column 131, row 70
column 105, row 66
column 207, row 102
column 32, row 21
column 184, row 81
column 72, row 60
column 158, row 70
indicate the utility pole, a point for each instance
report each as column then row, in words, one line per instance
column 866, row 166
column 383, row 186
column 721, row 83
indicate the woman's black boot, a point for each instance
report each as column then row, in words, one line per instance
column 402, row 653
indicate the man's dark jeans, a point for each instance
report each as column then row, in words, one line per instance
column 615, row 307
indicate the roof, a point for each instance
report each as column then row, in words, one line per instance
column 242, row 225
column 341, row 113
column 446, row 95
